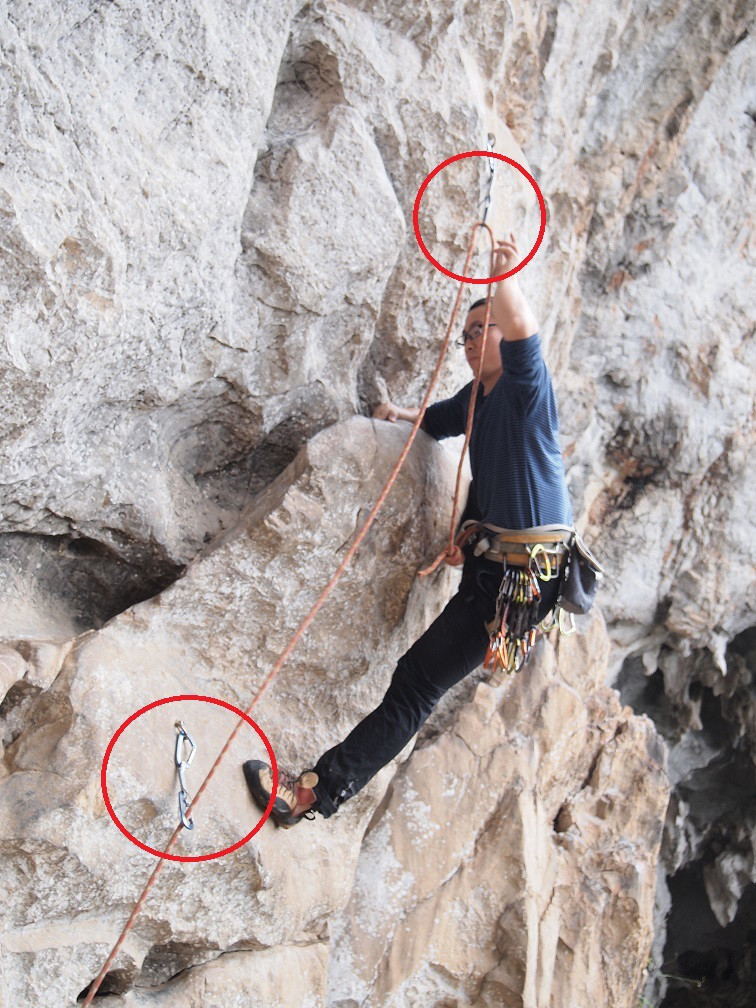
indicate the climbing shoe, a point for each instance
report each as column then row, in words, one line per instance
column 259, row 777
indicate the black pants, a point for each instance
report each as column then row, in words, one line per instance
column 452, row 646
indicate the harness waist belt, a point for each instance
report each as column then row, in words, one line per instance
column 557, row 557
column 539, row 534
column 510, row 546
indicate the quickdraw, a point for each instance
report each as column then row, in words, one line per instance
column 181, row 765
column 490, row 181
column 514, row 629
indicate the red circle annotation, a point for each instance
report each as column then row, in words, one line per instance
column 416, row 216
column 160, row 703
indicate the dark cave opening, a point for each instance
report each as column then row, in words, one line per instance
column 57, row 586
column 706, row 964
column 645, row 694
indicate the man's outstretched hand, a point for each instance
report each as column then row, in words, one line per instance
column 386, row 411
column 506, row 255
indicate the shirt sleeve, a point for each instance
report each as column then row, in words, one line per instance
column 448, row 418
column 526, row 376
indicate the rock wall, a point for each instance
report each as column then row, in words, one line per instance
column 208, row 263
column 509, row 830
column 506, row 853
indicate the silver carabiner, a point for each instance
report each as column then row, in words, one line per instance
column 181, row 764
column 183, row 802
column 491, row 161
column 183, row 734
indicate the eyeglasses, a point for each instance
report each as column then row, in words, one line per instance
column 472, row 334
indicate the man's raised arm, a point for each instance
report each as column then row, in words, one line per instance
column 509, row 306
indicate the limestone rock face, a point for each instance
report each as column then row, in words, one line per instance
column 208, row 268
column 485, row 837
column 506, row 847
column 216, row 632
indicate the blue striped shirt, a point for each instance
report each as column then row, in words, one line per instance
column 515, row 458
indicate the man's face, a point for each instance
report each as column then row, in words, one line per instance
column 492, row 359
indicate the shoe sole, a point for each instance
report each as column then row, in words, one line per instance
column 281, row 816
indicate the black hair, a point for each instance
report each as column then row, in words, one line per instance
column 476, row 304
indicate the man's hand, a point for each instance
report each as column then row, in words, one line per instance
column 510, row 307
column 506, row 255
column 388, row 411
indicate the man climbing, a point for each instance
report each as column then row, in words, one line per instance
column 518, row 484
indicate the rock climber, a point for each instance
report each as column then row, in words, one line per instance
column 518, row 484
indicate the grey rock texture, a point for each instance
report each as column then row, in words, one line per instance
column 496, row 895
column 534, row 766
column 215, row 632
column 207, row 263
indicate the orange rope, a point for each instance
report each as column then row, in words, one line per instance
column 317, row 605
column 452, row 554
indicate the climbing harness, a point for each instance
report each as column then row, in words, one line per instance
column 530, row 557
column 323, row 595
column 181, row 765
column 521, row 546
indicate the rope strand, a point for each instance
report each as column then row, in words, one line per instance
column 452, row 553
column 319, row 601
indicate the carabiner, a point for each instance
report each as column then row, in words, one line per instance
column 184, row 803
column 572, row 629
column 181, row 764
column 534, row 559
column 548, row 622
column 491, row 162
column 178, row 756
